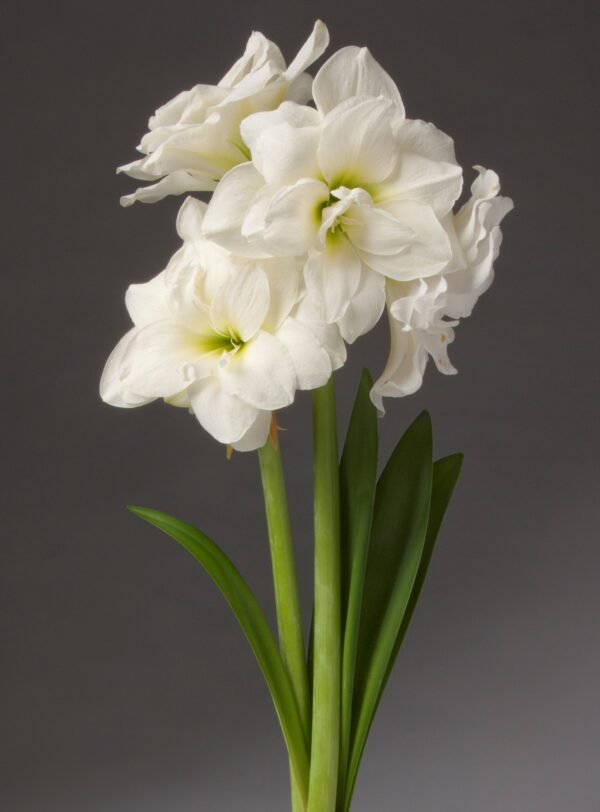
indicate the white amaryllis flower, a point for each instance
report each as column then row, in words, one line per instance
column 423, row 312
column 221, row 335
column 195, row 138
column 353, row 185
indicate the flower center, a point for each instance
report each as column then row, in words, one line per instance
column 226, row 343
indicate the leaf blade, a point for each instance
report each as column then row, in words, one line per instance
column 446, row 472
column 401, row 512
column 254, row 625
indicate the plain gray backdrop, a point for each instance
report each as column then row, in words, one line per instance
column 126, row 684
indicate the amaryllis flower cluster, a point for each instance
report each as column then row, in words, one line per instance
column 329, row 206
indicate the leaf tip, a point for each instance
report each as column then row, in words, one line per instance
column 366, row 379
column 138, row 511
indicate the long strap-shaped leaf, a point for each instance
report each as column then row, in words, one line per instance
column 358, row 479
column 400, row 522
column 255, row 627
column 445, row 476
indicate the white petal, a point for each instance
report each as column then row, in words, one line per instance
column 377, row 231
column 224, row 416
column 292, row 218
column 258, row 52
column 311, row 360
column 257, row 434
column 309, row 312
column 403, row 373
column 161, row 360
column 357, row 144
column 189, row 219
column 477, row 230
column 436, row 183
column 483, row 210
column 229, row 207
column 148, row 302
column 210, row 148
column 170, row 112
column 352, row 71
column 300, row 90
column 296, row 115
column 174, row 184
column 436, row 343
column 242, row 303
column 189, row 288
column 312, row 49
column 283, row 154
column 253, row 225
column 261, row 373
column 261, row 89
column 112, row 389
column 285, row 276
column 365, row 308
column 423, row 138
column 427, row 253
column 181, row 400
column 332, row 277
column 138, row 170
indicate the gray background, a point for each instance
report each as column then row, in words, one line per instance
column 126, row 685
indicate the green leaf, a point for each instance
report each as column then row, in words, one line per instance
column 358, row 478
column 400, row 521
column 445, row 476
column 254, row 625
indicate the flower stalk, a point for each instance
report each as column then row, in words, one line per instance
column 287, row 603
column 327, row 620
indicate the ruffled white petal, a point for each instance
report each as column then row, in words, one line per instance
column 259, row 51
column 174, row 184
column 403, row 372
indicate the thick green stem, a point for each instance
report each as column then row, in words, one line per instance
column 287, row 603
column 327, row 621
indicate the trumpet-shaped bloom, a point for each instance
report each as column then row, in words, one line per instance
column 352, row 185
column 195, row 138
column 423, row 312
column 222, row 335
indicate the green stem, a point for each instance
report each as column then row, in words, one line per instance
column 326, row 674
column 287, row 603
